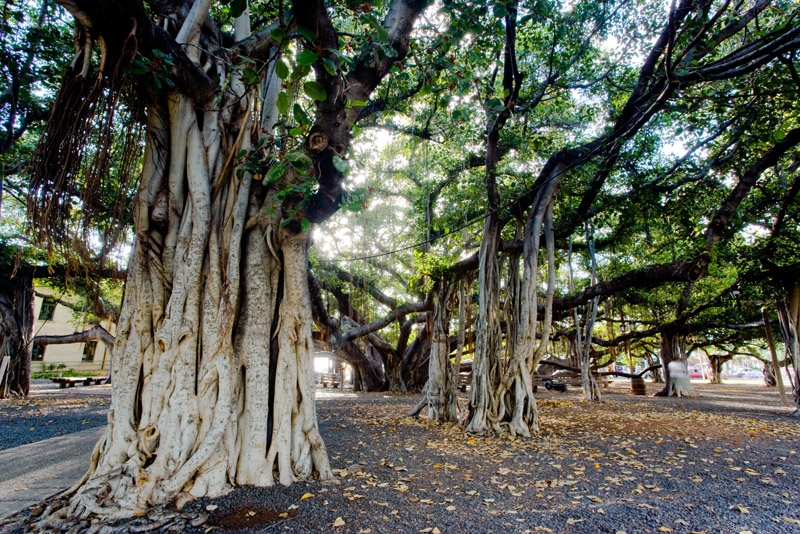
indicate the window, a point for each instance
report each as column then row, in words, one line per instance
column 37, row 353
column 48, row 309
column 88, row 351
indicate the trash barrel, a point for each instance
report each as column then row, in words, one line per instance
column 637, row 386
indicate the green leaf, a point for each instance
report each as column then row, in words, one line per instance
column 281, row 70
column 341, row 164
column 315, row 91
column 300, row 115
column 283, row 102
column 305, row 224
column 250, row 76
column 298, row 157
column 308, row 34
column 296, row 131
column 275, row 173
column 383, row 35
column 329, row 65
column 307, row 57
column 237, row 7
column 278, row 34
column 299, row 72
column 356, row 104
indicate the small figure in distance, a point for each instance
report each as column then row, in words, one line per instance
column 679, row 379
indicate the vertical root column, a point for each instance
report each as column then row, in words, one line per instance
column 296, row 443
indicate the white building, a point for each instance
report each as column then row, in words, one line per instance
column 54, row 319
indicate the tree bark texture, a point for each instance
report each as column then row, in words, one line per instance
column 488, row 336
column 789, row 317
column 439, row 391
column 717, row 361
column 774, row 366
column 16, row 328
column 669, row 353
column 213, row 380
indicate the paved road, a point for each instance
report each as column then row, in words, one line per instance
column 33, row 472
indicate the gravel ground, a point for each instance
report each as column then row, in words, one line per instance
column 49, row 411
column 720, row 463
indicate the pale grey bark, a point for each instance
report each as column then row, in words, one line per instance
column 215, row 298
column 438, row 389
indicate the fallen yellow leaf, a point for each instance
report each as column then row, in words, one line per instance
column 339, row 522
column 306, row 496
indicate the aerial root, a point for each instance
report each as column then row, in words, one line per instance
column 58, row 518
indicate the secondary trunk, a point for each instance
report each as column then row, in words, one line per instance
column 16, row 328
column 789, row 317
column 439, row 391
column 775, row 366
column 669, row 353
column 485, row 362
column 717, row 361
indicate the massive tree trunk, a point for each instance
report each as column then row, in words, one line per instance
column 485, row 399
column 518, row 408
column 789, row 317
column 16, row 328
column 213, row 364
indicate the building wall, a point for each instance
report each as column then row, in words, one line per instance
column 70, row 355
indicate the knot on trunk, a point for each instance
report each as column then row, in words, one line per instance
column 317, row 141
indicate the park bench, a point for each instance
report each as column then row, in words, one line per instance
column 567, row 378
column 326, row 379
column 71, row 381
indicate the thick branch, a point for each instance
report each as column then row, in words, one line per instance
column 95, row 333
column 389, row 318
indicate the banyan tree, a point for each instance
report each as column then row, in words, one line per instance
column 248, row 113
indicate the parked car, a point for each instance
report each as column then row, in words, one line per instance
column 748, row 374
column 695, row 372
column 753, row 375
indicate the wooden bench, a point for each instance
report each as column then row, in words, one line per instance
column 326, row 379
column 567, row 379
column 71, row 381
